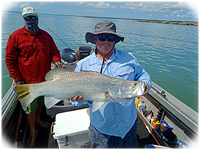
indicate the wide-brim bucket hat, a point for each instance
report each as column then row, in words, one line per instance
column 103, row 27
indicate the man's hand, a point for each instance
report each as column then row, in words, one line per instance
column 19, row 83
column 76, row 98
column 59, row 64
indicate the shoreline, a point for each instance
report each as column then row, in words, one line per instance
column 171, row 22
column 190, row 23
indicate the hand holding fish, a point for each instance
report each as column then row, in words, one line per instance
column 76, row 98
column 59, row 64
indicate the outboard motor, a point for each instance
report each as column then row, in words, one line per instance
column 83, row 51
column 68, row 55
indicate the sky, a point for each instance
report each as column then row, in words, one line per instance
column 156, row 10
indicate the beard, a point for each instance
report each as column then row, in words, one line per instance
column 32, row 26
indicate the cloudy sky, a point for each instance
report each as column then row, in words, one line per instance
column 158, row 10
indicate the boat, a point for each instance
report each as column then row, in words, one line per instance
column 158, row 101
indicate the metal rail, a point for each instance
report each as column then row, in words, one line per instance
column 182, row 112
column 7, row 102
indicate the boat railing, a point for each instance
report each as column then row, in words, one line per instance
column 181, row 111
column 7, row 102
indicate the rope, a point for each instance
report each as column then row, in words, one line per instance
column 104, row 58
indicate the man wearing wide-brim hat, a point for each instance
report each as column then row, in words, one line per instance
column 113, row 124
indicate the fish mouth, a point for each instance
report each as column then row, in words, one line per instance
column 145, row 88
column 141, row 90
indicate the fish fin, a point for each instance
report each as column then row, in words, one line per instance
column 107, row 97
column 50, row 101
column 24, row 95
column 96, row 105
column 53, row 74
column 88, row 71
column 93, row 72
column 106, row 94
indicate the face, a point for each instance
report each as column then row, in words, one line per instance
column 31, row 24
column 104, row 46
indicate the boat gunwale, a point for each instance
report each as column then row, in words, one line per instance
column 177, row 108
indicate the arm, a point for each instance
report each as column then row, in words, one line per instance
column 55, row 53
column 141, row 74
column 11, row 59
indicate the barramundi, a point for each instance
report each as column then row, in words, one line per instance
column 62, row 84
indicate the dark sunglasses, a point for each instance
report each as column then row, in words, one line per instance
column 102, row 37
column 30, row 17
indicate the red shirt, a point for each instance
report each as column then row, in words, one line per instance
column 28, row 57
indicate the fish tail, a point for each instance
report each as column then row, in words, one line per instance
column 24, row 94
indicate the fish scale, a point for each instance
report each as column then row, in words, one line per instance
column 62, row 84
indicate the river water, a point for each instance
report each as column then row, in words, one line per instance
column 168, row 52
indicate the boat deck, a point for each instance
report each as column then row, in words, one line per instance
column 45, row 138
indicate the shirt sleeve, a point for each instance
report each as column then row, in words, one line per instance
column 77, row 103
column 78, row 67
column 141, row 73
column 11, row 59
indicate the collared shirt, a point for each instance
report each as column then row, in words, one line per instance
column 28, row 57
column 114, row 119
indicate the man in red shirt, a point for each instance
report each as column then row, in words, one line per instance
column 29, row 53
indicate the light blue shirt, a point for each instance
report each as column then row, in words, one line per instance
column 114, row 119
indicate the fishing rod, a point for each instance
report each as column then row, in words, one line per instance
column 54, row 33
column 60, row 40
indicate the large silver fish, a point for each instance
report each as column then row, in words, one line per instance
column 61, row 84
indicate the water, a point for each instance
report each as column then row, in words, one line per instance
column 168, row 52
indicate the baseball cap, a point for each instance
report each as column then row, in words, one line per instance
column 29, row 11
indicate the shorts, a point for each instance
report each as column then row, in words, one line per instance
column 34, row 105
column 100, row 140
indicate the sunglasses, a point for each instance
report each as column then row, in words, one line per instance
column 102, row 37
column 30, row 17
